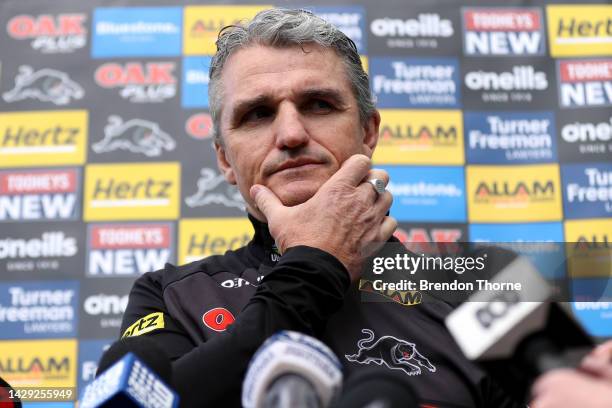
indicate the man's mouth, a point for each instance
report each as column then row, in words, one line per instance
column 300, row 163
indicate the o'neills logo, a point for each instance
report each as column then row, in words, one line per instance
column 48, row 245
column 514, row 191
column 50, row 34
column 425, row 135
column 520, row 78
column 128, row 249
column 585, row 83
column 425, row 25
column 587, row 132
column 138, row 82
column 500, row 31
column 38, row 195
column 199, row 126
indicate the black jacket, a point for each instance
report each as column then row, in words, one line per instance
column 187, row 310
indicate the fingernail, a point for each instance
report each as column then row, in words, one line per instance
column 254, row 191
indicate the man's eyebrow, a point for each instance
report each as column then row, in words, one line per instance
column 248, row 104
column 325, row 93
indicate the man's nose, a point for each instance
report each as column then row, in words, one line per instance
column 289, row 128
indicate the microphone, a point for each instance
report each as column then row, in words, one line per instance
column 292, row 370
column 133, row 372
column 8, row 399
column 378, row 388
column 516, row 335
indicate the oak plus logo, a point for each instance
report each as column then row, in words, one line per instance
column 43, row 138
column 510, row 137
column 50, row 34
column 585, row 83
column 134, row 135
column 128, row 249
column 36, row 195
column 415, row 82
column 139, row 82
column 44, row 85
column 38, row 309
column 588, row 190
column 514, row 193
column 503, row 31
column 131, row 191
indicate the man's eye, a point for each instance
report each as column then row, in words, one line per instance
column 319, row 106
column 257, row 114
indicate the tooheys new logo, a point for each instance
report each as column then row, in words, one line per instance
column 138, row 82
column 585, row 83
column 128, row 249
column 588, row 190
column 50, row 34
column 501, row 31
column 39, row 195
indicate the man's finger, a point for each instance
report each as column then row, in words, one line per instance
column 387, row 228
column 378, row 174
column 353, row 170
column 265, row 199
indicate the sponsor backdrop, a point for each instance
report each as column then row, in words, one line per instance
column 496, row 126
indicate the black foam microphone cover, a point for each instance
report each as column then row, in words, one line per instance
column 5, row 396
column 377, row 387
column 146, row 349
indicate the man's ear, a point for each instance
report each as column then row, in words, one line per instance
column 224, row 165
column 371, row 128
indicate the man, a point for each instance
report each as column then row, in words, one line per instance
column 295, row 128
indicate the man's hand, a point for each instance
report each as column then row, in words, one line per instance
column 344, row 215
column 591, row 388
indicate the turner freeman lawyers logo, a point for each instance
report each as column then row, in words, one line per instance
column 415, row 82
column 138, row 82
column 45, row 85
column 50, row 34
column 585, row 83
column 510, row 137
column 136, row 136
column 588, row 190
column 394, row 353
column 503, row 31
column 213, row 189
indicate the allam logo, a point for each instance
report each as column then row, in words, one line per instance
column 515, row 31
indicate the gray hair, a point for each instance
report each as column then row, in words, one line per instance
column 286, row 28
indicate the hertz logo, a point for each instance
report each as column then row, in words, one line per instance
column 43, row 138
column 150, row 322
column 579, row 30
column 200, row 238
column 132, row 191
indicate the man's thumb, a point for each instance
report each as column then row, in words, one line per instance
column 265, row 199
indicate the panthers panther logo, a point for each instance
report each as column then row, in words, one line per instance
column 396, row 354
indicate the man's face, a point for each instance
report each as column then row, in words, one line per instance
column 288, row 121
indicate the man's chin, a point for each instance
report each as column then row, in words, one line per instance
column 292, row 194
